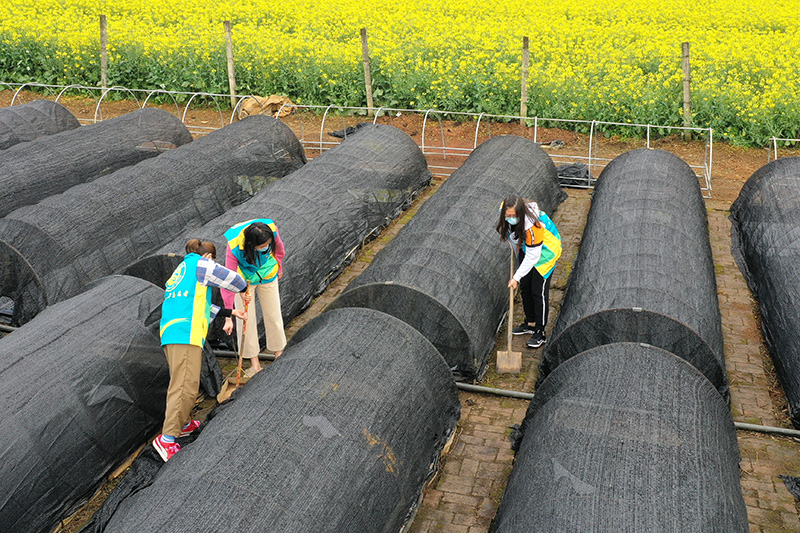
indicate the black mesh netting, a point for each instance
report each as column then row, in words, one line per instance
column 26, row 122
column 48, row 251
column 84, row 384
column 323, row 212
column 49, row 165
column 339, row 434
column 446, row 272
column 625, row 437
column 644, row 271
column 766, row 245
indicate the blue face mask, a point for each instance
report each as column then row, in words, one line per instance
column 512, row 220
column 265, row 251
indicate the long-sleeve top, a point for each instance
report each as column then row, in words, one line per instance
column 211, row 274
column 233, row 264
column 541, row 243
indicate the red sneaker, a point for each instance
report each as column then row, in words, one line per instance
column 191, row 426
column 165, row 449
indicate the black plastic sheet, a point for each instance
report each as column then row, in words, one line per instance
column 83, row 385
column 644, row 271
column 50, row 165
column 26, row 122
column 766, row 245
column 48, row 251
column 339, row 434
column 446, row 272
column 324, row 212
column 625, row 437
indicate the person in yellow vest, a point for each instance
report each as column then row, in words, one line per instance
column 185, row 315
column 537, row 246
column 255, row 251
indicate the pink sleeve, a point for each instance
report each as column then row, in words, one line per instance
column 279, row 251
column 231, row 263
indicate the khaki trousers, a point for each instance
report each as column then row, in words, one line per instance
column 185, row 362
column 267, row 295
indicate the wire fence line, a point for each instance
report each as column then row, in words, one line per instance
column 446, row 154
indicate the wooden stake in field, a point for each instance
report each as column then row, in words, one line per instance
column 103, row 51
column 367, row 73
column 508, row 361
column 523, row 98
column 231, row 69
column 687, row 93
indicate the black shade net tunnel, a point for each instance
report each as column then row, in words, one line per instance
column 446, row 272
column 32, row 171
column 323, row 212
column 644, row 271
column 338, row 434
column 766, row 245
column 84, row 384
column 48, row 251
column 26, row 122
column 625, row 437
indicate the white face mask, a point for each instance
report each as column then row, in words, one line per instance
column 512, row 220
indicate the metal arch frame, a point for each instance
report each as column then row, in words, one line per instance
column 105, row 92
column 708, row 153
column 478, row 127
column 90, row 90
column 238, row 107
column 772, row 155
column 322, row 126
column 31, row 84
column 213, row 97
column 10, row 87
column 441, row 130
column 299, row 119
column 378, row 114
column 592, row 156
column 174, row 100
column 77, row 86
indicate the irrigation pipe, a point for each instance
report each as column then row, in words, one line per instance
column 529, row 396
column 744, row 426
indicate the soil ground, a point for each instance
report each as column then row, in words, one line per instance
column 465, row 495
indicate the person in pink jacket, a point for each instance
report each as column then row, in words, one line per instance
column 256, row 252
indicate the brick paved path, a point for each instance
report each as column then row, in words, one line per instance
column 467, row 492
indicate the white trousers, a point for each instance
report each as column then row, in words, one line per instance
column 267, row 295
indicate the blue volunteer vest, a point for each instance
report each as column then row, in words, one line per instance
column 187, row 306
column 267, row 269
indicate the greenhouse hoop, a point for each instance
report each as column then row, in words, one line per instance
column 591, row 157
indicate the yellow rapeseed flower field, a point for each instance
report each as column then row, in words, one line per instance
column 612, row 60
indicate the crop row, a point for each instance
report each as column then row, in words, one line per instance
column 613, row 61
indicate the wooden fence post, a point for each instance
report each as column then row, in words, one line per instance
column 367, row 74
column 687, row 95
column 103, row 51
column 523, row 98
column 231, row 69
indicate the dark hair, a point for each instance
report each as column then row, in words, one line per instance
column 199, row 247
column 256, row 234
column 520, row 206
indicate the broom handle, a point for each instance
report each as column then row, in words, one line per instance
column 241, row 344
column 510, row 319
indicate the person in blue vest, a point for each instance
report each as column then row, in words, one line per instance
column 185, row 315
column 537, row 246
column 256, row 252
